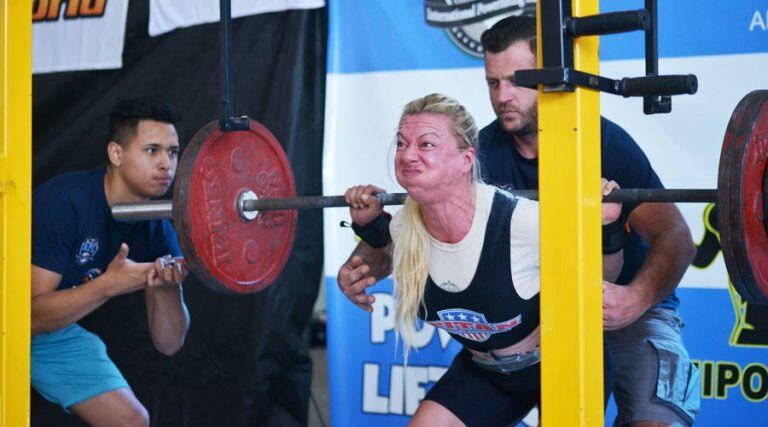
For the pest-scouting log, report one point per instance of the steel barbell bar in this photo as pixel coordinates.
(163, 209)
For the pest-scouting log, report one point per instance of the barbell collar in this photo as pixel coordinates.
(163, 209)
(155, 209)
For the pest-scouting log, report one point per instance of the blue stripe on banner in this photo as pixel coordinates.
(694, 28)
(388, 35)
(392, 35)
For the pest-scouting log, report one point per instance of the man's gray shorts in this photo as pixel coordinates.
(655, 379)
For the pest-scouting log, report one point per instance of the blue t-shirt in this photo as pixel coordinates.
(74, 234)
(622, 161)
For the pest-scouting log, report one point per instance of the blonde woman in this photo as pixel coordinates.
(465, 259)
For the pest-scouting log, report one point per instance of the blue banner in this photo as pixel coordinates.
(393, 35)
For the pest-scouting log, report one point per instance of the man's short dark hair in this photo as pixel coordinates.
(509, 31)
(126, 114)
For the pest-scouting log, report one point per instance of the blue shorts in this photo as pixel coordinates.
(71, 365)
(655, 379)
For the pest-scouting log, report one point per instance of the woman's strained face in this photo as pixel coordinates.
(428, 158)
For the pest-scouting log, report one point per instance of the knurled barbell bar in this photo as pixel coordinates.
(249, 205)
(234, 205)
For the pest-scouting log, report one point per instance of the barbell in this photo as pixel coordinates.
(235, 207)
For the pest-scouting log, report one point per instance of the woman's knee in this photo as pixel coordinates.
(431, 413)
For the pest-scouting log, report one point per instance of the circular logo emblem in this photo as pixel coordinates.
(465, 21)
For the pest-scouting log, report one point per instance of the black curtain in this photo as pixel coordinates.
(246, 360)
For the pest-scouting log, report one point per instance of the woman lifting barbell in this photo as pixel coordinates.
(466, 259)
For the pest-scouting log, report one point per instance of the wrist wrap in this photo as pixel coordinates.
(375, 233)
(615, 236)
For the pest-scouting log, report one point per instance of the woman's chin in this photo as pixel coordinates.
(422, 195)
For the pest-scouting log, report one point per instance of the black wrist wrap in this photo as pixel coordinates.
(376, 232)
(615, 236)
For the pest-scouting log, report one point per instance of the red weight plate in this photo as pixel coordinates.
(227, 252)
(741, 207)
(726, 198)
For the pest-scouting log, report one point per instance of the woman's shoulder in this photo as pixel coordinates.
(525, 217)
(396, 224)
(526, 204)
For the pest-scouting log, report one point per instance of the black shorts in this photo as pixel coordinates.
(479, 397)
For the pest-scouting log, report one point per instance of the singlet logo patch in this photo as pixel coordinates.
(472, 325)
(87, 250)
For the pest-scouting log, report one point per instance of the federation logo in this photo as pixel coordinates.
(471, 325)
(87, 250)
(465, 21)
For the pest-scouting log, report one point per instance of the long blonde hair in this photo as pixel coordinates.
(411, 253)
